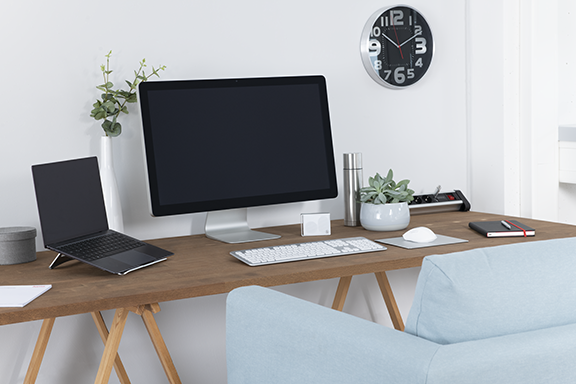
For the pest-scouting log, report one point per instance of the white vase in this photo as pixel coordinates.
(384, 217)
(109, 186)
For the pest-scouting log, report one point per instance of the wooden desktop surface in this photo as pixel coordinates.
(201, 267)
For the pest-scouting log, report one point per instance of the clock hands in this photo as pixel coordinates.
(389, 39)
(416, 34)
(400, 45)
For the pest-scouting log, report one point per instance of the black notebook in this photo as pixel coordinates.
(504, 228)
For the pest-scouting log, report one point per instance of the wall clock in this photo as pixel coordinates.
(397, 46)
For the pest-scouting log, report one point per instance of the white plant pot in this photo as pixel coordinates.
(384, 217)
(109, 186)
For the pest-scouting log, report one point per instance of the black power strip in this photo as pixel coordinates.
(439, 202)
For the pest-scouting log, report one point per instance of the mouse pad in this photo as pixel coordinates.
(440, 240)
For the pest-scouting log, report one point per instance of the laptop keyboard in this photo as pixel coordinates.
(101, 246)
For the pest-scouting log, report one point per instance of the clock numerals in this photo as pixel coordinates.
(397, 47)
(401, 74)
(396, 16)
(420, 46)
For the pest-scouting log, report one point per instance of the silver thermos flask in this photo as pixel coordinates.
(352, 185)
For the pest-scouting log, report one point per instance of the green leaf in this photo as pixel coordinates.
(132, 98)
(403, 182)
(98, 113)
(111, 128)
(116, 129)
(109, 106)
(390, 175)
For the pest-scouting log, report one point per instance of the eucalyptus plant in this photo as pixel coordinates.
(113, 101)
(382, 190)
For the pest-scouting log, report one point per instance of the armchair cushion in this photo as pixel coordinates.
(495, 291)
(275, 338)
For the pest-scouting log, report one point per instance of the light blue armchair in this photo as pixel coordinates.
(493, 315)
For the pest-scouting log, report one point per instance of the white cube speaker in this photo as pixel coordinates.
(315, 224)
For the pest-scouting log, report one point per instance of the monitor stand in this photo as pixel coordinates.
(231, 226)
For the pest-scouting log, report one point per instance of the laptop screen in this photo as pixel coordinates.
(69, 198)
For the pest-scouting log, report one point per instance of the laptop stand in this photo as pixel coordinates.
(59, 259)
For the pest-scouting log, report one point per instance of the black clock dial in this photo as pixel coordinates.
(397, 46)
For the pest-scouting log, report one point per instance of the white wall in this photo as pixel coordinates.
(567, 97)
(513, 99)
(453, 129)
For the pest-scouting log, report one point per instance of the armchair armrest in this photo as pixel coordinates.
(275, 338)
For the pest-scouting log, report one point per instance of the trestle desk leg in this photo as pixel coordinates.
(111, 348)
(390, 300)
(103, 331)
(158, 341)
(39, 350)
(341, 292)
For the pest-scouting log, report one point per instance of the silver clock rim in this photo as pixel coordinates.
(364, 46)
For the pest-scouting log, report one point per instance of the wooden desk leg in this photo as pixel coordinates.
(341, 292)
(39, 350)
(390, 300)
(103, 331)
(111, 348)
(158, 341)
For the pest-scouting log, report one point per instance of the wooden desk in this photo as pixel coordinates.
(201, 267)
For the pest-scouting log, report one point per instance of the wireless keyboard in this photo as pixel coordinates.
(307, 251)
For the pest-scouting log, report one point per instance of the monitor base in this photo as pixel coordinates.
(231, 226)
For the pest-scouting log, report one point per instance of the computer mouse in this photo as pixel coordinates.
(420, 235)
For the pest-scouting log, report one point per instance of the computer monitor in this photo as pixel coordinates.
(223, 145)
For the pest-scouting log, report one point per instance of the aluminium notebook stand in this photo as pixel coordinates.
(59, 259)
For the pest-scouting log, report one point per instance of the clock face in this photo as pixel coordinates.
(397, 47)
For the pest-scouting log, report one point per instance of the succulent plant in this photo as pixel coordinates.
(384, 190)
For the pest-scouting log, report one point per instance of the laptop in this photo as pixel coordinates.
(72, 213)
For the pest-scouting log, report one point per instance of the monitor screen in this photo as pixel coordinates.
(222, 144)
